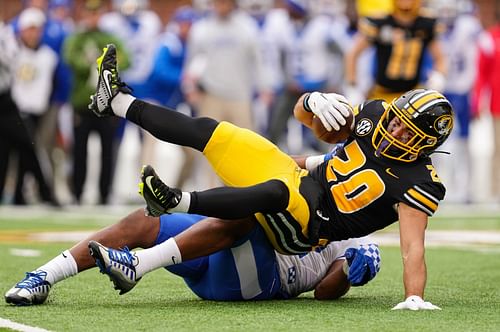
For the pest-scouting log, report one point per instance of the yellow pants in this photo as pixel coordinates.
(243, 158)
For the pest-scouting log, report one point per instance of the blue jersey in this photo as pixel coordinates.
(167, 71)
(246, 271)
(251, 269)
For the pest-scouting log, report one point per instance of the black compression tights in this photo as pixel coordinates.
(224, 202)
(171, 126)
(236, 203)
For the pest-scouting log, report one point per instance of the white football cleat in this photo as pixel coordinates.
(119, 265)
(33, 289)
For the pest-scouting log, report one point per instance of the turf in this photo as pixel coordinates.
(464, 282)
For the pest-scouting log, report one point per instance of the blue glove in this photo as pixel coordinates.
(337, 147)
(363, 262)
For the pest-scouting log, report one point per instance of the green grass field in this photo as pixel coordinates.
(464, 281)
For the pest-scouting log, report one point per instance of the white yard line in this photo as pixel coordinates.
(20, 327)
(445, 238)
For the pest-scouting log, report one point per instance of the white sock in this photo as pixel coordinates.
(183, 206)
(121, 103)
(164, 254)
(60, 267)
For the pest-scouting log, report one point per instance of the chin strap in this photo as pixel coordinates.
(439, 151)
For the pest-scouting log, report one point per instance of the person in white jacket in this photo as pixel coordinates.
(33, 76)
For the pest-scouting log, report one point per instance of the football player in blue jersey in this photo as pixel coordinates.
(249, 269)
(383, 174)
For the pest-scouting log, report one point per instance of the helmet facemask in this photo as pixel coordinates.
(428, 119)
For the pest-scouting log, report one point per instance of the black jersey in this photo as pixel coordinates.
(399, 49)
(364, 189)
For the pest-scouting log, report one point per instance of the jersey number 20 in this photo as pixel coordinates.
(362, 187)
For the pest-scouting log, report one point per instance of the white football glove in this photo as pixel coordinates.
(331, 108)
(436, 81)
(415, 302)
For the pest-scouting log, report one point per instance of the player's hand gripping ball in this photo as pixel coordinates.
(333, 116)
(333, 136)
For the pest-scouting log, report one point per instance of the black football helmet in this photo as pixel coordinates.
(427, 113)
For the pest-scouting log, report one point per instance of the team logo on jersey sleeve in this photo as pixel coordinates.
(292, 274)
(364, 127)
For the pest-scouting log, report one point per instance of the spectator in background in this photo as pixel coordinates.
(167, 73)
(365, 62)
(139, 29)
(486, 93)
(58, 24)
(462, 29)
(14, 135)
(400, 40)
(224, 42)
(259, 10)
(308, 45)
(80, 51)
(34, 69)
(224, 67)
(202, 7)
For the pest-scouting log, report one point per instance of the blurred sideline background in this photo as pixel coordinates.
(468, 177)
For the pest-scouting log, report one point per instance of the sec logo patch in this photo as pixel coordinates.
(364, 127)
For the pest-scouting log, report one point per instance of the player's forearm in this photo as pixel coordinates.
(360, 44)
(300, 160)
(414, 272)
(334, 284)
(438, 57)
(350, 69)
(300, 112)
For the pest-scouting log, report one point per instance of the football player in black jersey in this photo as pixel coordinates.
(382, 174)
(400, 40)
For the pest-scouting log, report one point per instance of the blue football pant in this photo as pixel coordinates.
(246, 271)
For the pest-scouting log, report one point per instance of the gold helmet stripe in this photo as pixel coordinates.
(424, 100)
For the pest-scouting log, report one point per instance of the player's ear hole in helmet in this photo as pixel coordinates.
(427, 114)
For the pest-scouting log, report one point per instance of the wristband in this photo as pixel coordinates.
(329, 155)
(305, 103)
(314, 161)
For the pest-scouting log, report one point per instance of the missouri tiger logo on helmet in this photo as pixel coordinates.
(426, 113)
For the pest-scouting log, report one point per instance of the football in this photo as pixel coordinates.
(333, 136)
